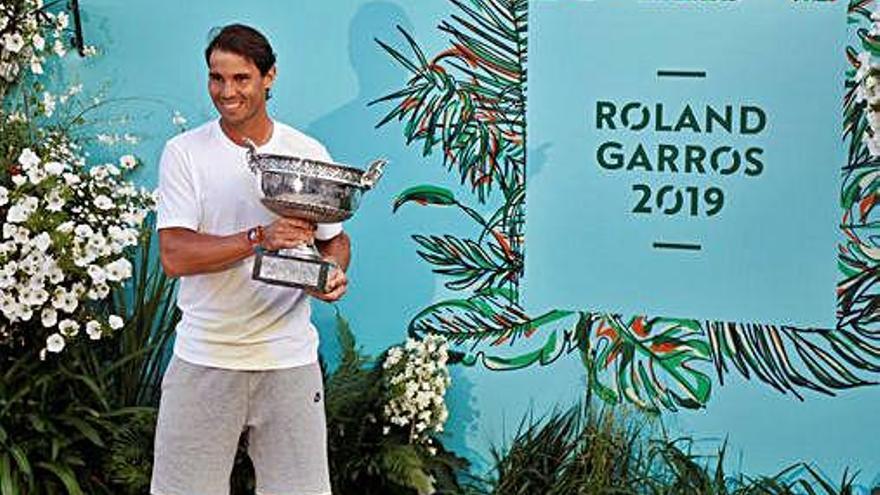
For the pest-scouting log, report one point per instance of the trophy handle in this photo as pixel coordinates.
(251, 155)
(373, 174)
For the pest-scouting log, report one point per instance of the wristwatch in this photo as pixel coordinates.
(256, 235)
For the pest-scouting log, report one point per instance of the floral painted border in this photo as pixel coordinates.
(468, 103)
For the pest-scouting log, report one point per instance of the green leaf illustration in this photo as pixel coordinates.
(654, 362)
(425, 195)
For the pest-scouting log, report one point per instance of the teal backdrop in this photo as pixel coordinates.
(330, 67)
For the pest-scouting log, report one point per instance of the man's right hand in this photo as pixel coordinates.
(288, 233)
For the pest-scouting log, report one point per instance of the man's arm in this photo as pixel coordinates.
(338, 250)
(186, 252)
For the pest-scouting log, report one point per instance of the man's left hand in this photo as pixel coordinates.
(337, 285)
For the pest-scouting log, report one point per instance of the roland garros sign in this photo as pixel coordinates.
(684, 158)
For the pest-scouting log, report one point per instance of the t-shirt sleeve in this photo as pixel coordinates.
(178, 201)
(326, 231)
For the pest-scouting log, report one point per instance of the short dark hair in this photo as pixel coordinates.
(245, 41)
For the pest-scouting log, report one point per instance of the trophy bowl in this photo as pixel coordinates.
(311, 190)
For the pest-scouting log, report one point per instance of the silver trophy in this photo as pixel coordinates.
(316, 191)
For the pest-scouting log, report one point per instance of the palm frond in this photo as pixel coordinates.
(468, 263)
(469, 98)
(790, 359)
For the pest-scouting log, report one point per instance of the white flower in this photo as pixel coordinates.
(58, 48)
(37, 68)
(178, 119)
(42, 242)
(4, 21)
(18, 179)
(56, 275)
(21, 236)
(13, 42)
(93, 329)
(63, 20)
(38, 42)
(28, 159)
(65, 301)
(98, 291)
(71, 179)
(66, 227)
(55, 343)
(83, 231)
(4, 195)
(54, 168)
(90, 51)
(97, 273)
(49, 317)
(115, 322)
(128, 162)
(36, 175)
(118, 270)
(9, 306)
(99, 172)
(17, 213)
(48, 104)
(102, 202)
(54, 202)
(68, 328)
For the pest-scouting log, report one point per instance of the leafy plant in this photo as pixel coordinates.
(85, 424)
(590, 450)
(364, 459)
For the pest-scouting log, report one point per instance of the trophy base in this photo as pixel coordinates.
(292, 269)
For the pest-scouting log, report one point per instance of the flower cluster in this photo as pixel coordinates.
(867, 91)
(63, 240)
(867, 79)
(30, 34)
(416, 378)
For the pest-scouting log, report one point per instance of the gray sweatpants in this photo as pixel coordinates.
(204, 410)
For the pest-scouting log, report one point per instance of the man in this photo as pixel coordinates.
(245, 358)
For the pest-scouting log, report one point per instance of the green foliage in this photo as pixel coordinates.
(589, 450)
(84, 423)
(53, 422)
(129, 456)
(363, 459)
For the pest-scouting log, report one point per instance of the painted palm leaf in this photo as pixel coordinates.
(469, 101)
(790, 359)
(486, 328)
(468, 263)
(652, 363)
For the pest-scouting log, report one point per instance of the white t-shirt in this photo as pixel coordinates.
(229, 320)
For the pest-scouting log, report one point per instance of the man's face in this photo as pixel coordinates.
(237, 87)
